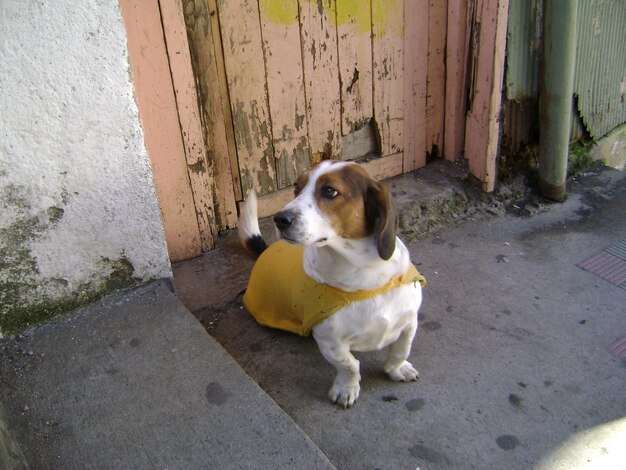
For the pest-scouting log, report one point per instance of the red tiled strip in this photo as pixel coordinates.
(618, 347)
(607, 265)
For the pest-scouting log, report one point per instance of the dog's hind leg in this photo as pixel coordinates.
(396, 365)
(346, 388)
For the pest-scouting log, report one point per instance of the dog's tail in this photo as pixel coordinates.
(248, 228)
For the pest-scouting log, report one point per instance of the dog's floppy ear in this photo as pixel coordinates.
(380, 212)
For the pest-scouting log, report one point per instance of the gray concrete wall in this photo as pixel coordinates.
(78, 210)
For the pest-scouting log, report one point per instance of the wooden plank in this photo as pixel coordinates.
(285, 87)
(200, 173)
(388, 73)
(321, 77)
(482, 123)
(222, 86)
(210, 107)
(456, 68)
(435, 98)
(415, 79)
(162, 134)
(354, 44)
(383, 168)
(245, 72)
(271, 203)
(207, 103)
(501, 22)
(360, 143)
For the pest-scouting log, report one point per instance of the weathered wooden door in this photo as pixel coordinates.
(309, 80)
(240, 94)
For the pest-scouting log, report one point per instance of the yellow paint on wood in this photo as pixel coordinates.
(389, 18)
(283, 12)
(348, 11)
(388, 74)
(355, 12)
(355, 64)
(285, 87)
(321, 77)
(245, 70)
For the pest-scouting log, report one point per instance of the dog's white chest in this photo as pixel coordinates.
(374, 323)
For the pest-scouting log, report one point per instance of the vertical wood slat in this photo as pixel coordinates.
(215, 170)
(456, 67)
(321, 77)
(157, 109)
(201, 175)
(482, 124)
(354, 44)
(435, 98)
(388, 73)
(285, 85)
(245, 72)
(220, 90)
(415, 75)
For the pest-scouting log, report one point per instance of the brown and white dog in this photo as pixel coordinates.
(347, 224)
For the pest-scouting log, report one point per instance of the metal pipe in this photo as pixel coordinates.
(558, 57)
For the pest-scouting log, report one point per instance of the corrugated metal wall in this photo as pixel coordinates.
(523, 49)
(600, 77)
(521, 75)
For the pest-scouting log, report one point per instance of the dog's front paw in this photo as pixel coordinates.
(405, 373)
(344, 395)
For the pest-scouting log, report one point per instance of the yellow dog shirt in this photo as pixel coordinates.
(281, 295)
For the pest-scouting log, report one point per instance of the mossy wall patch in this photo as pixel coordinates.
(79, 214)
(25, 297)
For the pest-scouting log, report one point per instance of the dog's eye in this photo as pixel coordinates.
(328, 192)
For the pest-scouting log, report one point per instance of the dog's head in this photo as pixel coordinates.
(338, 202)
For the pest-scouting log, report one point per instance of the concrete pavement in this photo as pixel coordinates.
(135, 382)
(516, 351)
(513, 350)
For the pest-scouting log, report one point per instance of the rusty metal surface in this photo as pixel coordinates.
(600, 75)
(523, 48)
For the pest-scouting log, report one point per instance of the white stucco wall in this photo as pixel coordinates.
(77, 200)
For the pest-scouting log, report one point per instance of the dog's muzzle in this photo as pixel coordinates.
(291, 231)
(284, 220)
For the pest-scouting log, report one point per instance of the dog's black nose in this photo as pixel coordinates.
(284, 219)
